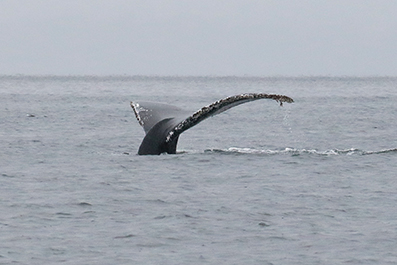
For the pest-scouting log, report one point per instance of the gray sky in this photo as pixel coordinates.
(199, 37)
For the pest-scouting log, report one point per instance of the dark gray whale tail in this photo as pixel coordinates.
(164, 123)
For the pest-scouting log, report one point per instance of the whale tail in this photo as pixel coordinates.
(164, 123)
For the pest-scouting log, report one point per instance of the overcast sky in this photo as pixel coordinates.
(199, 37)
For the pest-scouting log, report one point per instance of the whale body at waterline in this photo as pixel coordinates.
(164, 123)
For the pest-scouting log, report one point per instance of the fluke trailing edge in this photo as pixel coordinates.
(164, 123)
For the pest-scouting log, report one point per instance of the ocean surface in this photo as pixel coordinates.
(312, 182)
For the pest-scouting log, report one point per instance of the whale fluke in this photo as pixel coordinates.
(164, 123)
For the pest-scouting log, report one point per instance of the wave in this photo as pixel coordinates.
(297, 152)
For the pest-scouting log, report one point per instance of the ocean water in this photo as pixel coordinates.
(313, 182)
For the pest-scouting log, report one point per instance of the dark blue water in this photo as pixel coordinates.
(313, 182)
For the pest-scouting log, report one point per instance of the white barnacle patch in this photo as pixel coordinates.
(169, 136)
(136, 108)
